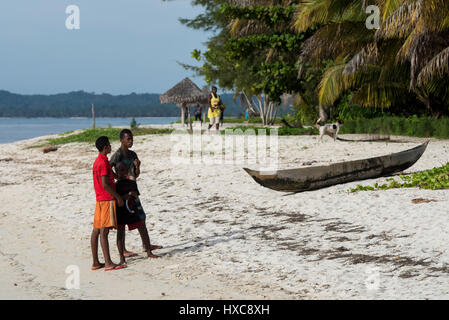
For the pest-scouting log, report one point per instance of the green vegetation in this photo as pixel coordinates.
(91, 135)
(322, 53)
(437, 178)
(282, 131)
(134, 125)
(413, 126)
(260, 67)
(401, 64)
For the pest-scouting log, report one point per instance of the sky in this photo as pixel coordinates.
(121, 46)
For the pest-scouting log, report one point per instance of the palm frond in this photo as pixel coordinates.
(367, 55)
(437, 67)
(332, 85)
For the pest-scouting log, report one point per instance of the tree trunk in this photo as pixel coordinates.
(261, 110)
(323, 114)
(248, 103)
(190, 117)
(266, 109)
(183, 115)
(275, 115)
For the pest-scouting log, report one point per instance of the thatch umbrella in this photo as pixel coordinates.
(184, 93)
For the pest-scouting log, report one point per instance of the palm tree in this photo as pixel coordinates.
(407, 53)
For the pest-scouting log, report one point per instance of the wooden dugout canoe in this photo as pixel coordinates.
(312, 178)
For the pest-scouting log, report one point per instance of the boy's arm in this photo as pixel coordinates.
(113, 161)
(108, 188)
(137, 166)
(113, 171)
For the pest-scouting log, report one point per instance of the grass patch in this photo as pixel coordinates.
(282, 131)
(37, 146)
(91, 135)
(434, 179)
(65, 133)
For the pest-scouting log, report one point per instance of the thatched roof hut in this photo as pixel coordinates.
(185, 93)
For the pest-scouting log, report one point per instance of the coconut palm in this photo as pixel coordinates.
(409, 51)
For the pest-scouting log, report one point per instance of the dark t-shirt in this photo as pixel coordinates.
(126, 158)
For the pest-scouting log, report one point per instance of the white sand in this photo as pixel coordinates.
(225, 236)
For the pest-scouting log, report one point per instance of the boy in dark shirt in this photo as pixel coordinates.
(131, 213)
(130, 159)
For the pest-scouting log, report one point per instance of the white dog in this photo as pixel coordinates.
(330, 129)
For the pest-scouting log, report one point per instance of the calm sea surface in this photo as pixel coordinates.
(15, 129)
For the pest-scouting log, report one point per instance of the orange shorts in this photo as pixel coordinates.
(105, 215)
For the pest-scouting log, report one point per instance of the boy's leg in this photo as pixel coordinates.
(104, 232)
(146, 240)
(121, 245)
(145, 245)
(94, 246)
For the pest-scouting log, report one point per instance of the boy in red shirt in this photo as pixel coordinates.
(105, 216)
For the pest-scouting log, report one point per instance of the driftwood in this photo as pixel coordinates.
(288, 125)
(370, 138)
(421, 200)
(292, 125)
(49, 148)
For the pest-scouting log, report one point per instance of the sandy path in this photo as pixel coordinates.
(225, 237)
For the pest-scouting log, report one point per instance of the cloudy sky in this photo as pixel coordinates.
(121, 46)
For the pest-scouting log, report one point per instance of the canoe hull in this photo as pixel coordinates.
(312, 178)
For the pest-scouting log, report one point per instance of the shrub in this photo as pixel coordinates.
(306, 114)
(134, 125)
(417, 127)
(282, 131)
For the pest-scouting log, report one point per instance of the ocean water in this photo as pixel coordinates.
(16, 129)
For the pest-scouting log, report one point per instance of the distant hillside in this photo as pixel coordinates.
(78, 104)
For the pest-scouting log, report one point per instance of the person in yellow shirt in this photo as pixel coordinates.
(215, 105)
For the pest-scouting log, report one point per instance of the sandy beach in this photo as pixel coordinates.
(224, 236)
